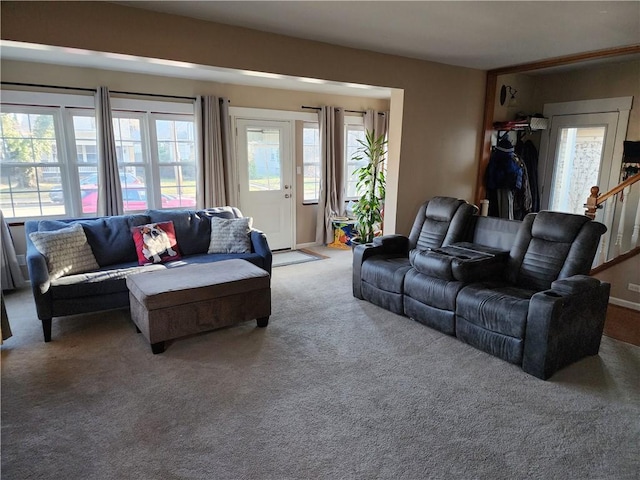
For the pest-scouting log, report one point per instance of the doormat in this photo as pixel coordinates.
(291, 257)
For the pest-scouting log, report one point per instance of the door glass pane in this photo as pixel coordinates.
(265, 159)
(577, 167)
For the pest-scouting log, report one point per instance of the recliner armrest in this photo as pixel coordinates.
(364, 251)
(575, 284)
(393, 243)
(564, 324)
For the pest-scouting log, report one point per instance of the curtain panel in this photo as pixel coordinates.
(331, 197)
(377, 121)
(215, 168)
(12, 277)
(109, 189)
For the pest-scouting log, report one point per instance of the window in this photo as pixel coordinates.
(156, 158)
(175, 140)
(31, 161)
(311, 162)
(354, 131)
(49, 155)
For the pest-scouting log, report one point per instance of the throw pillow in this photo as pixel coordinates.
(66, 250)
(230, 235)
(156, 243)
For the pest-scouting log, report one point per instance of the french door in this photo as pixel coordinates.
(265, 174)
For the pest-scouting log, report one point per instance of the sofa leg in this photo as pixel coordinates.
(157, 347)
(263, 322)
(46, 329)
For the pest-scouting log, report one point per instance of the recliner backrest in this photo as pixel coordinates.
(551, 246)
(440, 222)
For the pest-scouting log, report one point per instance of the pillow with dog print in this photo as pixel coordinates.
(156, 243)
(230, 235)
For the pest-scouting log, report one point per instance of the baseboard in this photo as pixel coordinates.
(624, 303)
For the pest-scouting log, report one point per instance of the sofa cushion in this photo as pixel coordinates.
(66, 250)
(109, 237)
(156, 243)
(386, 272)
(100, 282)
(496, 307)
(230, 235)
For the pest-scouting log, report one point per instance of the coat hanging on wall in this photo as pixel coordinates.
(503, 176)
(528, 153)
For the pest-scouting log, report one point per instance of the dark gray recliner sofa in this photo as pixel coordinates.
(517, 290)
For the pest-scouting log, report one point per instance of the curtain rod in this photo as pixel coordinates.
(347, 111)
(84, 89)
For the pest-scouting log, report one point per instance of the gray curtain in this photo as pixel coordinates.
(215, 168)
(378, 121)
(331, 200)
(12, 277)
(109, 189)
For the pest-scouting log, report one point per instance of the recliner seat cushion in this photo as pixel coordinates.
(495, 307)
(431, 291)
(386, 272)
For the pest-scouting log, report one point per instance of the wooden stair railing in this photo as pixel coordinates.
(595, 201)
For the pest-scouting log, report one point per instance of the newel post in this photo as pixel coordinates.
(592, 203)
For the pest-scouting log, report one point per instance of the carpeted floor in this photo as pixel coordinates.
(333, 388)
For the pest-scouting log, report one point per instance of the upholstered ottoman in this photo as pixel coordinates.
(184, 300)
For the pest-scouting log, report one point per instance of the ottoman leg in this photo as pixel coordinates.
(157, 347)
(263, 322)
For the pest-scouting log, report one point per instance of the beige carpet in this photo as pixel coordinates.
(333, 388)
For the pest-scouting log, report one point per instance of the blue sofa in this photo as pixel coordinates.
(111, 241)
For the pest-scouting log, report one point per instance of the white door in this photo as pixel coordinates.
(581, 154)
(265, 173)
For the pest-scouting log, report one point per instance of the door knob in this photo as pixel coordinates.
(286, 195)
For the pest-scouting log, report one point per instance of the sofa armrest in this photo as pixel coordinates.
(39, 278)
(260, 246)
(564, 324)
(360, 254)
(398, 244)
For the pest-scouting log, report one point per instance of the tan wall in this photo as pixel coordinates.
(619, 276)
(620, 79)
(442, 105)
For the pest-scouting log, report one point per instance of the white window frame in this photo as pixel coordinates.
(65, 106)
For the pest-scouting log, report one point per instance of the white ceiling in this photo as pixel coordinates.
(476, 34)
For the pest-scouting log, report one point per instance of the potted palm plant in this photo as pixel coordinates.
(370, 186)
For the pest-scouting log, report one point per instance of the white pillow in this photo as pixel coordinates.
(66, 251)
(230, 235)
